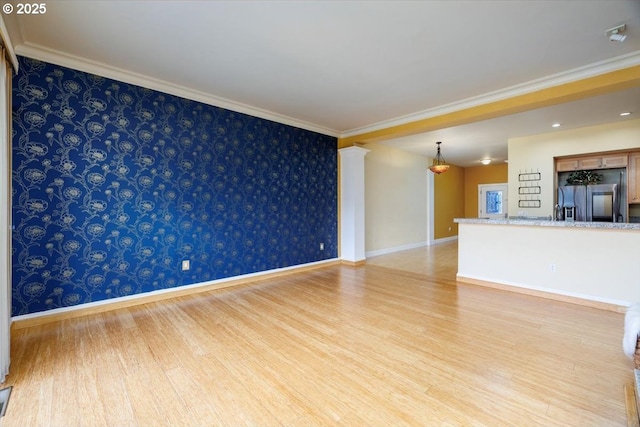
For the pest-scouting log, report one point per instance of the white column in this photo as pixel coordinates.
(5, 217)
(352, 203)
(431, 207)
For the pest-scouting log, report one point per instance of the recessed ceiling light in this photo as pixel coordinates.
(485, 161)
(555, 125)
(626, 113)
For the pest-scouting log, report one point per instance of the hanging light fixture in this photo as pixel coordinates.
(439, 165)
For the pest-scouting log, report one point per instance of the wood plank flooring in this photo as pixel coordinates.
(393, 343)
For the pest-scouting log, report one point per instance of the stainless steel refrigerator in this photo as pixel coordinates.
(597, 202)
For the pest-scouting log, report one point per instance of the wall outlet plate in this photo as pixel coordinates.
(186, 265)
(616, 30)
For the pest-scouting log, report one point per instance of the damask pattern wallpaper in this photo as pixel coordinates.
(115, 185)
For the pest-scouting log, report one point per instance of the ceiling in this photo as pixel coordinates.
(347, 67)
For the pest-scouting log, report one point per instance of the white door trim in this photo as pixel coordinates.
(482, 191)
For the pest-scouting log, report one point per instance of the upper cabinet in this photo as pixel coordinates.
(614, 161)
(565, 165)
(592, 162)
(634, 178)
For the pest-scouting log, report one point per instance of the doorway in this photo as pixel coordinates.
(493, 201)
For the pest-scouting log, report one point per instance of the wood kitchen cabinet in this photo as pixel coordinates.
(589, 163)
(614, 161)
(633, 188)
(567, 165)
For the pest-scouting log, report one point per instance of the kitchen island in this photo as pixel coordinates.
(590, 263)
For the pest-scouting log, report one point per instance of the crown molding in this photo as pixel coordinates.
(93, 67)
(8, 44)
(71, 61)
(569, 76)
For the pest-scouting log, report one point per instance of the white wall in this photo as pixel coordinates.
(594, 264)
(395, 199)
(536, 153)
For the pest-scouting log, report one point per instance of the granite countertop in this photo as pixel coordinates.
(546, 222)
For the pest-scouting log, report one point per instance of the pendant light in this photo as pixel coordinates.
(439, 165)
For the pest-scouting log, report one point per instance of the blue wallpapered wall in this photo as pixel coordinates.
(114, 185)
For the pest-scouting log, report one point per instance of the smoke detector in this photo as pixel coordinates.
(617, 34)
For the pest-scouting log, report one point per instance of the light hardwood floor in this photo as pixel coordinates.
(393, 343)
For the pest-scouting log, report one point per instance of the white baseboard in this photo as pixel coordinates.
(395, 249)
(443, 240)
(145, 297)
(554, 294)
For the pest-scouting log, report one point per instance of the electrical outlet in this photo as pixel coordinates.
(552, 268)
(322, 246)
(186, 265)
